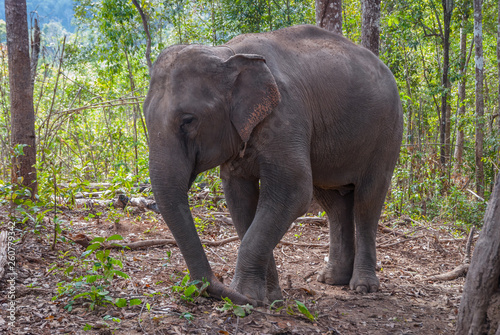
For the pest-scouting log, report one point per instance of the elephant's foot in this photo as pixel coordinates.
(335, 275)
(217, 290)
(273, 293)
(254, 290)
(258, 291)
(364, 282)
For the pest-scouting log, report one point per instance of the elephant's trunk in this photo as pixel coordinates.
(170, 178)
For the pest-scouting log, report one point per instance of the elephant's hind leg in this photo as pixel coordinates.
(339, 208)
(368, 201)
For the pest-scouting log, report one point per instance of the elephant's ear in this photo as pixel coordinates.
(254, 92)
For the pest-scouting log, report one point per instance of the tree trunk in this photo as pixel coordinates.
(35, 51)
(459, 148)
(479, 59)
(370, 27)
(482, 280)
(445, 82)
(329, 15)
(21, 94)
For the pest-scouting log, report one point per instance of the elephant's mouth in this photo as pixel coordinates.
(194, 173)
(192, 178)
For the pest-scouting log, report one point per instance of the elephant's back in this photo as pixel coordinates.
(347, 97)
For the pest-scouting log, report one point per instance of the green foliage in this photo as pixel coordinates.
(15, 196)
(189, 290)
(238, 310)
(94, 285)
(302, 309)
(422, 191)
(305, 311)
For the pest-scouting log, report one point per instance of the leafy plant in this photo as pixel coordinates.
(302, 309)
(305, 311)
(94, 285)
(189, 290)
(238, 310)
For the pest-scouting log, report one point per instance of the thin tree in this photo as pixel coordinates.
(479, 60)
(21, 94)
(464, 60)
(445, 82)
(145, 24)
(329, 15)
(370, 26)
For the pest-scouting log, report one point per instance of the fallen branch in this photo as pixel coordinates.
(460, 270)
(306, 245)
(84, 242)
(140, 202)
(121, 202)
(388, 245)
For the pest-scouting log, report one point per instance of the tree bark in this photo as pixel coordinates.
(21, 94)
(329, 15)
(479, 60)
(370, 26)
(445, 82)
(484, 272)
(35, 51)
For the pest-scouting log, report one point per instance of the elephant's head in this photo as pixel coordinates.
(201, 108)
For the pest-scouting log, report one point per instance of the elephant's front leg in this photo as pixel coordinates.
(283, 197)
(242, 196)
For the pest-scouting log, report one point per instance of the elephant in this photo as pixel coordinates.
(290, 115)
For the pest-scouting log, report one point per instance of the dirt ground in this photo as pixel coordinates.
(408, 301)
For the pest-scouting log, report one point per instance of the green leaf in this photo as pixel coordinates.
(69, 269)
(120, 302)
(114, 238)
(122, 274)
(92, 278)
(135, 302)
(103, 293)
(116, 262)
(97, 240)
(190, 290)
(93, 247)
(185, 280)
(81, 295)
(303, 309)
(239, 311)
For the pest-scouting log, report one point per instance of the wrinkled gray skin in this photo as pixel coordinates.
(305, 112)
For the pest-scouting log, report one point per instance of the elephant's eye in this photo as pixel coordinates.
(187, 119)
